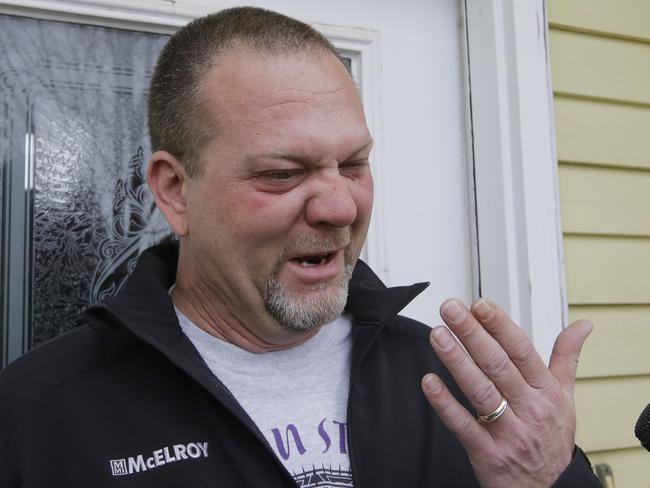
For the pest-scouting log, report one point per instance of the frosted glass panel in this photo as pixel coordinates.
(74, 132)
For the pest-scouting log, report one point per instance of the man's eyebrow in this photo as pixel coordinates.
(295, 157)
(299, 158)
(367, 146)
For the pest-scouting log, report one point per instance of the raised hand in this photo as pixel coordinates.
(530, 441)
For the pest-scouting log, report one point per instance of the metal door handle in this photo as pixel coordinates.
(605, 475)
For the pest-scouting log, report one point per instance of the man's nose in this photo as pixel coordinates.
(332, 202)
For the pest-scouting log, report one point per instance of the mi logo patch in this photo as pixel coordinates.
(159, 457)
(118, 467)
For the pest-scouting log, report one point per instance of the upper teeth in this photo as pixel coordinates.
(312, 261)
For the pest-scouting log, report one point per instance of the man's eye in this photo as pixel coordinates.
(354, 167)
(280, 175)
(280, 179)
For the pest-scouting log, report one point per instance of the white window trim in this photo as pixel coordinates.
(517, 238)
(161, 16)
(518, 235)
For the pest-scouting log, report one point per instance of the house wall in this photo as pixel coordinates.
(600, 62)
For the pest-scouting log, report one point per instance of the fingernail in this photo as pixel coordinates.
(442, 337)
(453, 311)
(431, 383)
(482, 309)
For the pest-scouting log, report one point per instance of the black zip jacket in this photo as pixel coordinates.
(127, 401)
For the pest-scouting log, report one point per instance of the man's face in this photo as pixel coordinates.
(278, 216)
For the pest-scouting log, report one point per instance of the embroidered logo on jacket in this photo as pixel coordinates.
(160, 457)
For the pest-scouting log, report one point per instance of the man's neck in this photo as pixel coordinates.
(205, 312)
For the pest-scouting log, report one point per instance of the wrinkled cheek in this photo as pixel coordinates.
(249, 213)
(365, 193)
(365, 199)
(263, 224)
(256, 204)
(364, 213)
(271, 210)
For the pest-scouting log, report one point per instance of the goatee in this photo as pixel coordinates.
(311, 308)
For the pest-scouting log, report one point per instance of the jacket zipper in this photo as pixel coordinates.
(353, 459)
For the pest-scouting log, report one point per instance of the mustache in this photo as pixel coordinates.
(316, 243)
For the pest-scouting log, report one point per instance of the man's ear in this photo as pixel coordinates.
(168, 180)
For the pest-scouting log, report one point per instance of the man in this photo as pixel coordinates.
(260, 352)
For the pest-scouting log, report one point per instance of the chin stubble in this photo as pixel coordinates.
(308, 309)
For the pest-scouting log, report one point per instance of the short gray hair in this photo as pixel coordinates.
(177, 122)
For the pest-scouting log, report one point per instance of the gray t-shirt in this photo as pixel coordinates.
(296, 397)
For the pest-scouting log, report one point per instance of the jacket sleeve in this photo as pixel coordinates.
(578, 474)
(5, 478)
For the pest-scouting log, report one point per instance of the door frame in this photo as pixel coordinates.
(512, 166)
(518, 230)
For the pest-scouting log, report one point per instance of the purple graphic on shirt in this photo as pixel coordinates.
(283, 446)
(310, 475)
(324, 435)
(324, 478)
(343, 438)
(286, 452)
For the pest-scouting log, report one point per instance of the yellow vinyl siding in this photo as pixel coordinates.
(607, 270)
(599, 67)
(625, 18)
(630, 466)
(624, 329)
(602, 133)
(607, 410)
(600, 64)
(593, 200)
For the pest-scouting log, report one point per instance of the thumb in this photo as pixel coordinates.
(566, 350)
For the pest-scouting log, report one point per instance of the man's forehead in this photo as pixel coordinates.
(360, 146)
(245, 87)
(242, 71)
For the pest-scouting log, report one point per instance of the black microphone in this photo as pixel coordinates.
(642, 427)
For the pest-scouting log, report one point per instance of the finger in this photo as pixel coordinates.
(477, 387)
(488, 354)
(566, 351)
(514, 342)
(455, 417)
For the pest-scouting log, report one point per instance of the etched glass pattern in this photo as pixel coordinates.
(84, 88)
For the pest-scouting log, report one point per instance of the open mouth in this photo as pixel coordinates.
(315, 260)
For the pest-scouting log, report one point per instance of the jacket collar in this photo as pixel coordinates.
(371, 302)
(144, 306)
